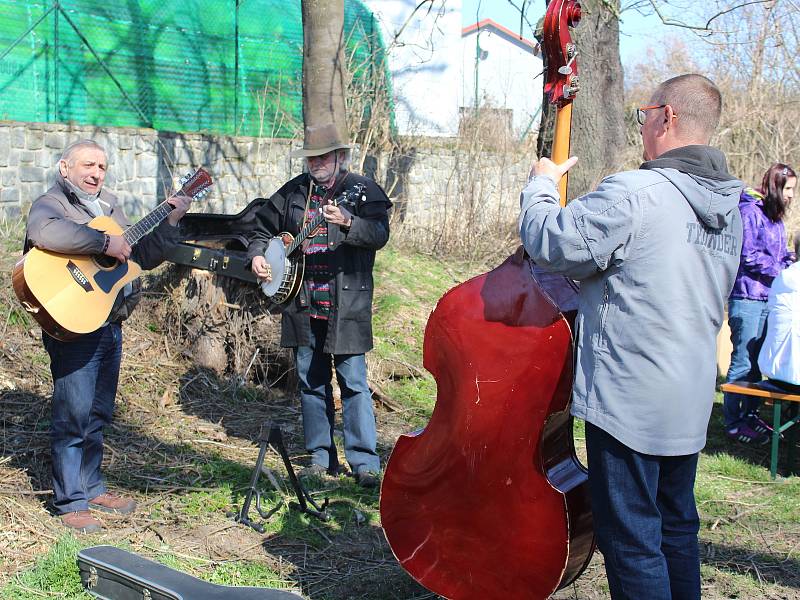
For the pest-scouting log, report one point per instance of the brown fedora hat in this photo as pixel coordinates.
(320, 140)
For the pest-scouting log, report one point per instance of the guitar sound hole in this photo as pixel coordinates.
(105, 262)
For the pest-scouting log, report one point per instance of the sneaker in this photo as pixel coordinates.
(743, 433)
(368, 479)
(758, 424)
(81, 521)
(111, 503)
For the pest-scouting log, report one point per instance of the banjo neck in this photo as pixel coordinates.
(308, 229)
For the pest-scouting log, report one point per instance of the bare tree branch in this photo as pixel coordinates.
(523, 17)
(733, 8)
(654, 4)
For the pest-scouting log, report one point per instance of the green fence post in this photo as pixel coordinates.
(776, 436)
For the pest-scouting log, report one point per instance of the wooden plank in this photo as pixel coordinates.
(753, 389)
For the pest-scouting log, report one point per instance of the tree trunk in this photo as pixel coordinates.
(598, 126)
(323, 64)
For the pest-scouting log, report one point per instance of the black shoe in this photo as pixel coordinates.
(368, 479)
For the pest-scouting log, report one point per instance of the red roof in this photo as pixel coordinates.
(488, 23)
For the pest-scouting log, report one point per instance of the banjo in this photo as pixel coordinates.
(286, 264)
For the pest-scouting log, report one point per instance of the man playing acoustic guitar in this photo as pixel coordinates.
(330, 318)
(86, 370)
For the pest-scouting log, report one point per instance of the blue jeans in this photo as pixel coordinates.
(645, 520)
(85, 375)
(316, 399)
(747, 320)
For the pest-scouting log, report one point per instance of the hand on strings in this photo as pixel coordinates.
(337, 215)
(180, 203)
(118, 248)
(545, 166)
(261, 269)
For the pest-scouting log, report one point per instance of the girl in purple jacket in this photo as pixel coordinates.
(764, 255)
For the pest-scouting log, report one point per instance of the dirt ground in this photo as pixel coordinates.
(180, 426)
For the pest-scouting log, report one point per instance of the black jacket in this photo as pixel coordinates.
(352, 258)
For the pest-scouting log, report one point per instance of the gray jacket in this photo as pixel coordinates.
(58, 222)
(656, 251)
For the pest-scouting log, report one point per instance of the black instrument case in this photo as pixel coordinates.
(111, 573)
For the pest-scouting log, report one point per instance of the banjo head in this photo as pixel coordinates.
(275, 256)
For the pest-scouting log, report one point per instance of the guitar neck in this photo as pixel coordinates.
(136, 232)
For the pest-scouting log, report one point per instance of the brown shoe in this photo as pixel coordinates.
(82, 521)
(112, 503)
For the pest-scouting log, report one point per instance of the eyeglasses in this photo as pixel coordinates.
(641, 113)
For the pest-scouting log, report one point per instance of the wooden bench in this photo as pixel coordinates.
(765, 390)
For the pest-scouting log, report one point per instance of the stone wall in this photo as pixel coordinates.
(143, 163)
(430, 184)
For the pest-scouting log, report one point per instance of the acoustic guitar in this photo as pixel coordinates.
(73, 294)
(286, 264)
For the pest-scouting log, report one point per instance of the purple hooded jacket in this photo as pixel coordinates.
(764, 252)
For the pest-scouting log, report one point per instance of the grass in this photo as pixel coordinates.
(234, 573)
(749, 524)
(56, 573)
(407, 288)
(12, 233)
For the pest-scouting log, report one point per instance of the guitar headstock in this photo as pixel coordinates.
(196, 184)
(562, 81)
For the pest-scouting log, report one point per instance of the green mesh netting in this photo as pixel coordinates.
(217, 66)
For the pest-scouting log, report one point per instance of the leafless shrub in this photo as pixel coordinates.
(751, 56)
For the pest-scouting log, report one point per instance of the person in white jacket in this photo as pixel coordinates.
(779, 359)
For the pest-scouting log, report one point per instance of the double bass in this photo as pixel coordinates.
(489, 500)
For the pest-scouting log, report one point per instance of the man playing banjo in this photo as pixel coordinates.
(329, 317)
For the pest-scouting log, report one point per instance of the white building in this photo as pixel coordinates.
(501, 71)
(440, 68)
(424, 51)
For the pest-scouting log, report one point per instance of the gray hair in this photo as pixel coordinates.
(70, 150)
(344, 164)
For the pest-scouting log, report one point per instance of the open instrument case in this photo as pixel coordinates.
(217, 242)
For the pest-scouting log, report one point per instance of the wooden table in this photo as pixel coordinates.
(769, 392)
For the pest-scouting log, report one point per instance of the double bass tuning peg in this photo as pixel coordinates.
(567, 68)
(574, 88)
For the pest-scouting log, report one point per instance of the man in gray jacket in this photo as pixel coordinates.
(656, 251)
(86, 370)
